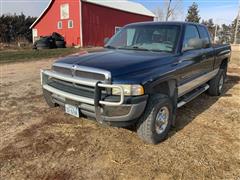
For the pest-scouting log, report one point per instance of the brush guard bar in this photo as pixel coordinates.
(98, 85)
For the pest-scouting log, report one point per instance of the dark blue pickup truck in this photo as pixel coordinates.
(142, 75)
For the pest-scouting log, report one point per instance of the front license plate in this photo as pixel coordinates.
(72, 110)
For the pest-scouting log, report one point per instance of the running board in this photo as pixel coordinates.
(190, 96)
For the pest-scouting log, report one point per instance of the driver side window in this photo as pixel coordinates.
(191, 33)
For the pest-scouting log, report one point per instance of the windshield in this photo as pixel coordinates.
(146, 37)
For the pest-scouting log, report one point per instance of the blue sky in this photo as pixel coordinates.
(222, 11)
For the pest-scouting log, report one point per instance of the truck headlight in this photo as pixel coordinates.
(129, 90)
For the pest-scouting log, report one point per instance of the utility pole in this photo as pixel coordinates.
(168, 10)
(215, 34)
(236, 29)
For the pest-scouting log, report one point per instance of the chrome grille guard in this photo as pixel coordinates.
(81, 81)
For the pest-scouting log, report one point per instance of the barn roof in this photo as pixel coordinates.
(44, 11)
(123, 5)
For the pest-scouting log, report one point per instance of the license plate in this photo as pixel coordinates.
(72, 110)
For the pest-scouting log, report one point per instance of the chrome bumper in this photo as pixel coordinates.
(80, 81)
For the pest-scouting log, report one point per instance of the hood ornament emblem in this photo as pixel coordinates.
(74, 67)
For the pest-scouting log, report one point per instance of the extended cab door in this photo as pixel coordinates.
(208, 55)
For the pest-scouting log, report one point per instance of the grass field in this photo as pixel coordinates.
(29, 54)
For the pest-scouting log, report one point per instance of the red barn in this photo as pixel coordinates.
(88, 22)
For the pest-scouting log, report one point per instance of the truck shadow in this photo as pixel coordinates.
(190, 111)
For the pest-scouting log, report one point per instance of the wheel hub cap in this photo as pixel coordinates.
(221, 83)
(162, 119)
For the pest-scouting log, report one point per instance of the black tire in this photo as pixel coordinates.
(217, 83)
(48, 98)
(42, 47)
(45, 43)
(57, 37)
(60, 44)
(147, 126)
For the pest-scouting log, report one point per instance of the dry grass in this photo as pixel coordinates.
(41, 143)
(22, 55)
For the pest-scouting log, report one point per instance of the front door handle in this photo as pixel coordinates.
(178, 62)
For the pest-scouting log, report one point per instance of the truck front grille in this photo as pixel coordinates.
(72, 88)
(79, 73)
(62, 70)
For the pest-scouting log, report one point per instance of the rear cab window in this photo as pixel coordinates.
(204, 35)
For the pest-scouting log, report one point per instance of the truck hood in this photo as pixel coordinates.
(120, 62)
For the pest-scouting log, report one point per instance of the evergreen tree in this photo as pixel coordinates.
(15, 27)
(224, 34)
(193, 14)
(210, 25)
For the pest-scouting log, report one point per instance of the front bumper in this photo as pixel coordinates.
(114, 110)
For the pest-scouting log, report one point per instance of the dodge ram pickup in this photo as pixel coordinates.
(144, 73)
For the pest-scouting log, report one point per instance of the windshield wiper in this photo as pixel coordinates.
(141, 49)
(158, 50)
(134, 48)
(110, 47)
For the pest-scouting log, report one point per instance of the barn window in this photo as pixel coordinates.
(64, 11)
(117, 29)
(59, 25)
(70, 24)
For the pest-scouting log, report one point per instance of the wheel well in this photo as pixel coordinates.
(167, 88)
(224, 64)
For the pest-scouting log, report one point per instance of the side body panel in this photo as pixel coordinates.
(222, 52)
(192, 68)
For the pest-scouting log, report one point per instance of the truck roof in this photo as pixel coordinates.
(165, 23)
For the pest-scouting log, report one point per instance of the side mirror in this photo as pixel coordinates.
(206, 44)
(105, 41)
(194, 43)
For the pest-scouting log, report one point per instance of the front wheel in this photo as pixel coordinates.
(155, 124)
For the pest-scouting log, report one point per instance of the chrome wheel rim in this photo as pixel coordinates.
(221, 83)
(162, 119)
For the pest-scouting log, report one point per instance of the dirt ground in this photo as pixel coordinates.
(41, 143)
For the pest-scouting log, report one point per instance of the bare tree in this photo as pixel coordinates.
(169, 10)
(159, 16)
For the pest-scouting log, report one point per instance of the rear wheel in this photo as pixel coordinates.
(155, 124)
(217, 83)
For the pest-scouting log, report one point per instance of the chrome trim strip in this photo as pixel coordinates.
(107, 74)
(187, 87)
(224, 52)
(41, 76)
(68, 95)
